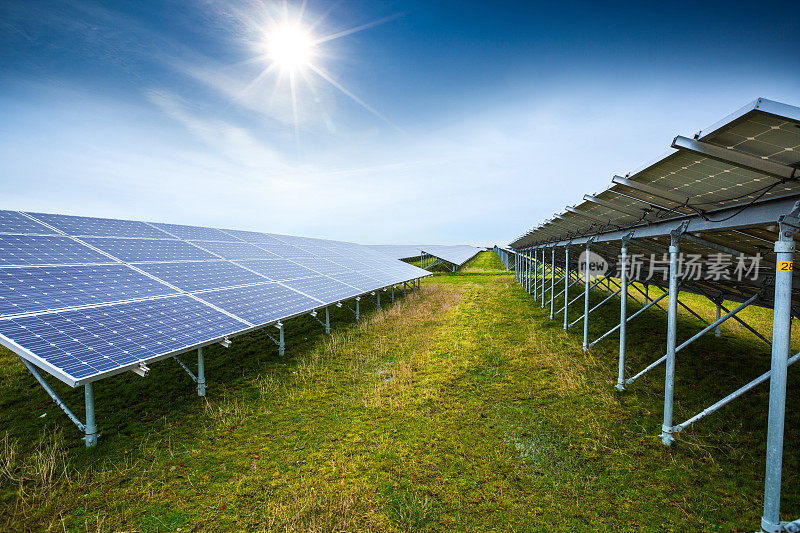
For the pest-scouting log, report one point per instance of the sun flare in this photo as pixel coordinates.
(290, 47)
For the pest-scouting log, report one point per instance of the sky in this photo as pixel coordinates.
(449, 122)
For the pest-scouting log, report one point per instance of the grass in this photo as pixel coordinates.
(461, 407)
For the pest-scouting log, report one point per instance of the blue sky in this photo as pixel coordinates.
(484, 117)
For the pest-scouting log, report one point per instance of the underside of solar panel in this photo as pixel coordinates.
(84, 298)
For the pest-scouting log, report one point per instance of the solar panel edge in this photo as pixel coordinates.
(37, 361)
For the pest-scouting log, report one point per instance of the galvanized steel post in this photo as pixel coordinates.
(201, 373)
(544, 274)
(566, 287)
(586, 300)
(91, 426)
(623, 311)
(718, 330)
(781, 337)
(328, 316)
(672, 333)
(552, 279)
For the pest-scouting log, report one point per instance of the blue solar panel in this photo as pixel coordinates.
(286, 250)
(14, 222)
(235, 250)
(95, 315)
(323, 288)
(46, 250)
(359, 281)
(260, 304)
(101, 227)
(277, 269)
(195, 233)
(385, 278)
(323, 266)
(201, 275)
(137, 250)
(351, 264)
(30, 289)
(253, 236)
(82, 343)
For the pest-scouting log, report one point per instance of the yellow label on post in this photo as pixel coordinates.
(785, 266)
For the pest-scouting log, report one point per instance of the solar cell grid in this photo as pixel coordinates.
(277, 269)
(82, 343)
(201, 275)
(140, 250)
(14, 222)
(94, 315)
(261, 304)
(75, 225)
(253, 236)
(30, 289)
(358, 280)
(198, 233)
(235, 250)
(323, 266)
(323, 288)
(285, 250)
(46, 250)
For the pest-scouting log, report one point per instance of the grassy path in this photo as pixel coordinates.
(459, 408)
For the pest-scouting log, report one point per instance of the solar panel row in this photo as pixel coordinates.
(87, 297)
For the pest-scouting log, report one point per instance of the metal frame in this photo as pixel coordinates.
(650, 211)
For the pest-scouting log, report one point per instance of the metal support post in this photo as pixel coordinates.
(201, 373)
(566, 287)
(49, 390)
(544, 279)
(586, 301)
(781, 337)
(379, 298)
(718, 331)
(91, 426)
(672, 333)
(623, 312)
(392, 293)
(552, 279)
(281, 343)
(328, 317)
(358, 308)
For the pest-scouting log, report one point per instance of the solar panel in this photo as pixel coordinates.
(201, 275)
(20, 250)
(253, 236)
(30, 289)
(277, 269)
(285, 250)
(358, 280)
(323, 266)
(457, 254)
(15, 222)
(74, 225)
(323, 288)
(261, 304)
(117, 292)
(141, 250)
(191, 233)
(82, 343)
(235, 250)
(399, 251)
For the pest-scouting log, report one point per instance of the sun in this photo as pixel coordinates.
(290, 47)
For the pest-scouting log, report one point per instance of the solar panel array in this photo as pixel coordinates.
(456, 254)
(686, 185)
(83, 298)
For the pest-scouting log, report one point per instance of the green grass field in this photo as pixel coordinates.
(461, 407)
